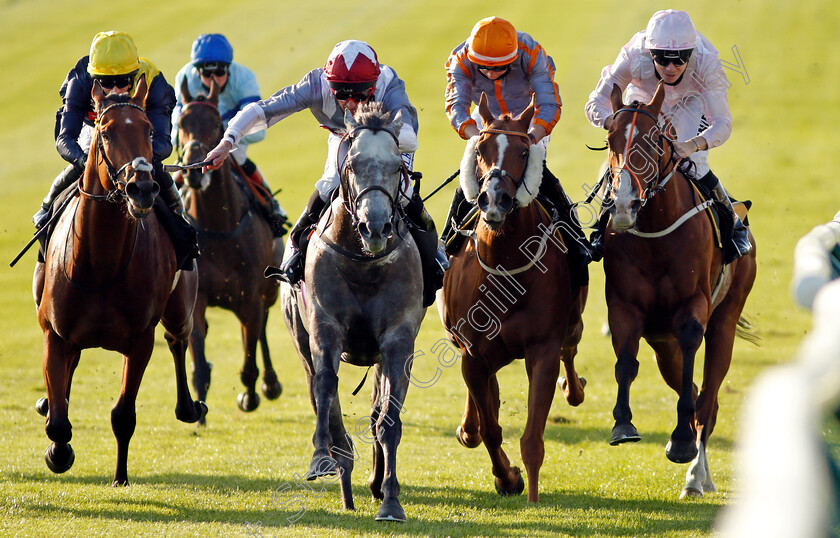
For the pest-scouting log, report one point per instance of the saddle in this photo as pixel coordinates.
(720, 218)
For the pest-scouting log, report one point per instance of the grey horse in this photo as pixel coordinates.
(360, 303)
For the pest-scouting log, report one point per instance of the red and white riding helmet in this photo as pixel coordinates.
(352, 61)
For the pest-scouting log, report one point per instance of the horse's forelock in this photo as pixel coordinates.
(373, 115)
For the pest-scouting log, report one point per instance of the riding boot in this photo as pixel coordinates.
(291, 270)
(433, 258)
(183, 235)
(274, 214)
(458, 211)
(740, 234)
(64, 179)
(578, 247)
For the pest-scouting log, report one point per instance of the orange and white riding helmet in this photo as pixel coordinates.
(670, 29)
(493, 42)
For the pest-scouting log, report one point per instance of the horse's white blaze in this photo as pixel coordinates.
(128, 121)
(625, 195)
(502, 143)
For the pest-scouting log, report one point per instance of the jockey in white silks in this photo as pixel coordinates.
(670, 50)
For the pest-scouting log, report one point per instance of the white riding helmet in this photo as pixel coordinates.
(670, 29)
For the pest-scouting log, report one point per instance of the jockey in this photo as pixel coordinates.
(672, 51)
(212, 59)
(113, 63)
(351, 76)
(509, 67)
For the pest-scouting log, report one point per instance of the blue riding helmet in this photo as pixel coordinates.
(211, 48)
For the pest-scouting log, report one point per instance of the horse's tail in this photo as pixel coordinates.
(746, 331)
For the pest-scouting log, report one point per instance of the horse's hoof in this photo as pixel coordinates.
(321, 466)
(681, 451)
(624, 433)
(391, 511)
(272, 391)
(467, 440)
(691, 493)
(59, 458)
(119, 483)
(517, 489)
(563, 383)
(248, 402)
(42, 406)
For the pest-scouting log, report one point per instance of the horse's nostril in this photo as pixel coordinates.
(483, 201)
(364, 231)
(387, 230)
(132, 189)
(155, 189)
(505, 202)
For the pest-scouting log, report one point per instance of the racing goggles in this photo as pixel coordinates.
(208, 70)
(109, 82)
(359, 92)
(665, 57)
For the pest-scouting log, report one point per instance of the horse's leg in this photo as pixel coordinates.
(572, 385)
(484, 390)
(271, 387)
(396, 352)
(252, 326)
(377, 470)
(201, 368)
(682, 446)
(60, 359)
(177, 320)
(626, 332)
(325, 344)
(467, 432)
(123, 415)
(720, 338)
(343, 452)
(542, 362)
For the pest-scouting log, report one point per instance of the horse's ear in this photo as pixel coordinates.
(139, 97)
(349, 121)
(615, 98)
(527, 115)
(214, 92)
(484, 109)
(397, 122)
(97, 93)
(185, 91)
(656, 103)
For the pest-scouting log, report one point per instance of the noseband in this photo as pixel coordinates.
(138, 164)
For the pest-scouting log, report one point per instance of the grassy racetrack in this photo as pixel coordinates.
(239, 475)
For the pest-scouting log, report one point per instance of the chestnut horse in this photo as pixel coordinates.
(236, 246)
(508, 294)
(109, 277)
(361, 303)
(665, 283)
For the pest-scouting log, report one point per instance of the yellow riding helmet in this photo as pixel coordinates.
(493, 42)
(113, 53)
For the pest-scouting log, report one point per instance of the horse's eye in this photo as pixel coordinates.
(525, 154)
(106, 137)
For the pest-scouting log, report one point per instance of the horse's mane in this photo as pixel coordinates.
(373, 115)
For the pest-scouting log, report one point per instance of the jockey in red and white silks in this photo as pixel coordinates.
(313, 92)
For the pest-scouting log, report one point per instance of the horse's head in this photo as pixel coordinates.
(636, 153)
(123, 148)
(199, 129)
(373, 174)
(501, 169)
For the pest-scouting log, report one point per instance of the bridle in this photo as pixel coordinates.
(657, 184)
(116, 190)
(501, 173)
(195, 143)
(351, 201)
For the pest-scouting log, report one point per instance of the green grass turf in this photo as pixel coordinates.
(230, 478)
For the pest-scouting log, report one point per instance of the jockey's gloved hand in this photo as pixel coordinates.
(81, 161)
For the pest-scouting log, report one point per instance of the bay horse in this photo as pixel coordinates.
(665, 283)
(508, 295)
(109, 276)
(236, 246)
(361, 303)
